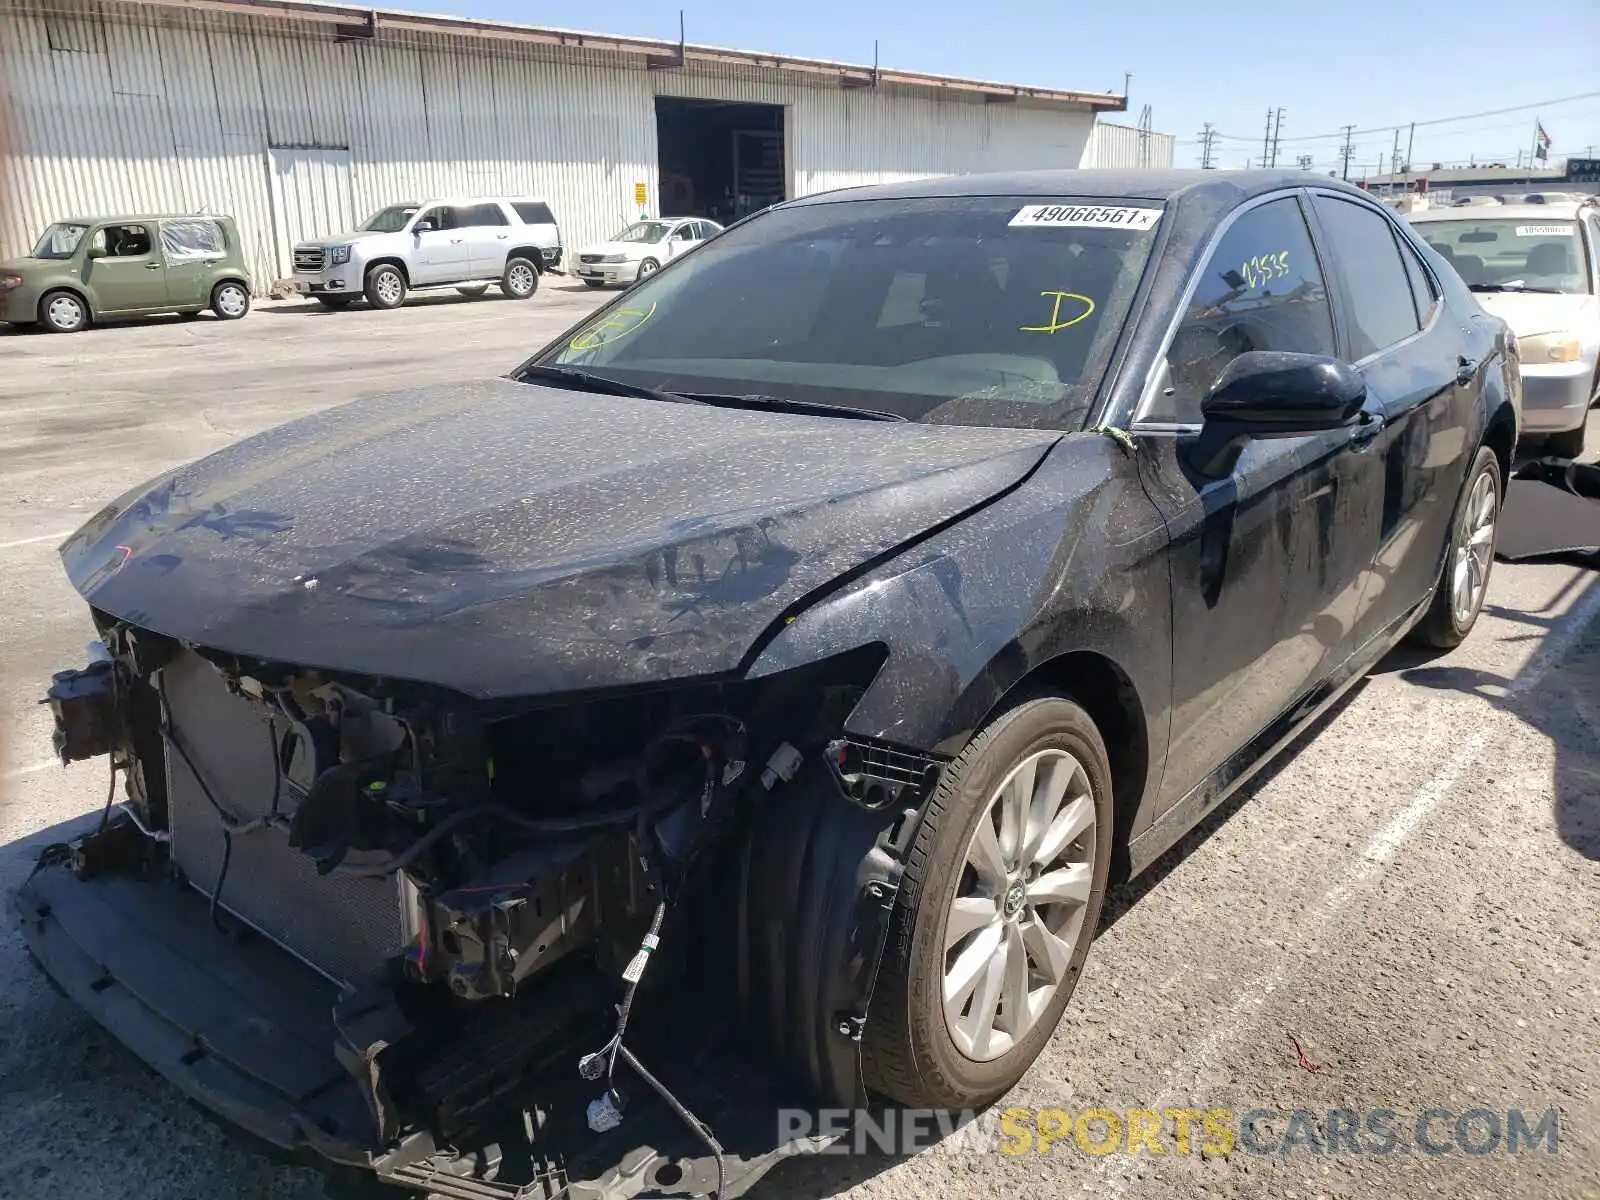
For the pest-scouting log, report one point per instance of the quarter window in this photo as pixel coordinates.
(1362, 240)
(192, 241)
(1261, 289)
(1421, 286)
(534, 213)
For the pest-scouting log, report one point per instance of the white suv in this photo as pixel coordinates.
(464, 244)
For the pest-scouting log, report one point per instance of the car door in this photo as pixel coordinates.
(124, 274)
(488, 233)
(682, 239)
(1422, 374)
(190, 248)
(1268, 558)
(441, 251)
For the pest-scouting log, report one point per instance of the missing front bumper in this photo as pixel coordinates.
(248, 1032)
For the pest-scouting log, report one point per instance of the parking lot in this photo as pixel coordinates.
(1402, 915)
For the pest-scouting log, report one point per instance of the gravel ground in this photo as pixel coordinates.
(1409, 898)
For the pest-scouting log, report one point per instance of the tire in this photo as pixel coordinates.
(1447, 623)
(909, 1052)
(646, 269)
(1568, 444)
(521, 278)
(335, 302)
(63, 312)
(230, 300)
(473, 289)
(386, 287)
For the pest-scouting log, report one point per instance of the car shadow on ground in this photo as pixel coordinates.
(121, 325)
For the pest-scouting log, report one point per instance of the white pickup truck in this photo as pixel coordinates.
(464, 244)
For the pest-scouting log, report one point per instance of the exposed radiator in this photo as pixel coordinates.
(343, 925)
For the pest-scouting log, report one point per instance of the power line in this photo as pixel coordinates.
(1493, 112)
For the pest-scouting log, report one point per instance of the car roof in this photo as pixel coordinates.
(1506, 212)
(1163, 185)
(131, 218)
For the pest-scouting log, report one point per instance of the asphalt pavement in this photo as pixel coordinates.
(1400, 915)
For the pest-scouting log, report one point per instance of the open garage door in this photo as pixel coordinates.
(719, 159)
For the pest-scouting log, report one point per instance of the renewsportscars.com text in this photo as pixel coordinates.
(1337, 1132)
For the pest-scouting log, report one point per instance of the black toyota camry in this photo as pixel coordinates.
(746, 702)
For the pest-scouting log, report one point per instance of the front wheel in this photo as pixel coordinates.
(1001, 896)
(520, 280)
(1458, 598)
(648, 268)
(386, 287)
(63, 312)
(230, 300)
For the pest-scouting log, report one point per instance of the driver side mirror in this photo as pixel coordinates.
(1274, 394)
(422, 227)
(95, 251)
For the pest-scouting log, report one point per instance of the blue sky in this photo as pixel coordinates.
(1357, 62)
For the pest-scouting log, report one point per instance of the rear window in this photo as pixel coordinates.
(533, 213)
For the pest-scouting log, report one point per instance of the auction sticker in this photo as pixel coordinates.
(1538, 230)
(1080, 215)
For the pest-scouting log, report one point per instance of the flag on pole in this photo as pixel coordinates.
(1541, 141)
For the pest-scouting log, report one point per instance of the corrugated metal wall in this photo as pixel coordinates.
(1126, 147)
(273, 121)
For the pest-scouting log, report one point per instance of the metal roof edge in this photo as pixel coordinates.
(357, 20)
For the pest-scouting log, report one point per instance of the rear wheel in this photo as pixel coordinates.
(386, 287)
(521, 279)
(230, 300)
(1458, 599)
(1568, 444)
(1000, 900)
(63, 312)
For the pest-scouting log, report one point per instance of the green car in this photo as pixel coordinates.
(96, 268)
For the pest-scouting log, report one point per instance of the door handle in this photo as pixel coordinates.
(1367, 430)
(456, 241)
(1466, 369)
(500, 237)
(152, 266)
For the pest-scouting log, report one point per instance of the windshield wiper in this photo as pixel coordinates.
(1511, 287)
(785, 404)
(577, 379)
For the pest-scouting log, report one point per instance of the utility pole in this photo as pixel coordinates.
(1410, 142)
(1394, 158)
(1208, 137)
(1347, 151)
(1304, 162)
(1144, 136)
(1266, 139)
(1277, 128)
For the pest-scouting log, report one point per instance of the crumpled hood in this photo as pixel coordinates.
(1532, 313)
(506, 539)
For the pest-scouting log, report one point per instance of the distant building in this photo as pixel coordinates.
(300, 118)
(1446, 185)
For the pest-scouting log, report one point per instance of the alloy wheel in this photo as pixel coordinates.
(65, 312)
(522, 280)
(1469, 577)
(1019, 906)
(389, 287)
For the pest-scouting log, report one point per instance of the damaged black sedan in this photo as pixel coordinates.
(530, 787)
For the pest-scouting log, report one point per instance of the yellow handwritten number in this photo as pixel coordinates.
(617, 325)
(1262, 267)
(1055, 323)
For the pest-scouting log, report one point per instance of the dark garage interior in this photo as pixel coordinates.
(719, 159)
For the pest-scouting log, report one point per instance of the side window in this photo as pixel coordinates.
(1261, 289)
(439, 217)
(192, 241)
(125, 241)
(707, 230)
(482, 214)
(1421, 286)
(533, 213)
(685, 232)
(1361, 240)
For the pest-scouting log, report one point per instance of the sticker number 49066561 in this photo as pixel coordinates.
(1087, 214)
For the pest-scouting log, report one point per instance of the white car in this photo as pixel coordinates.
(1538, 267)
(642, 249)
(465, 244)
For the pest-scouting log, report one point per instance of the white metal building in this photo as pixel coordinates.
(300, 119)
